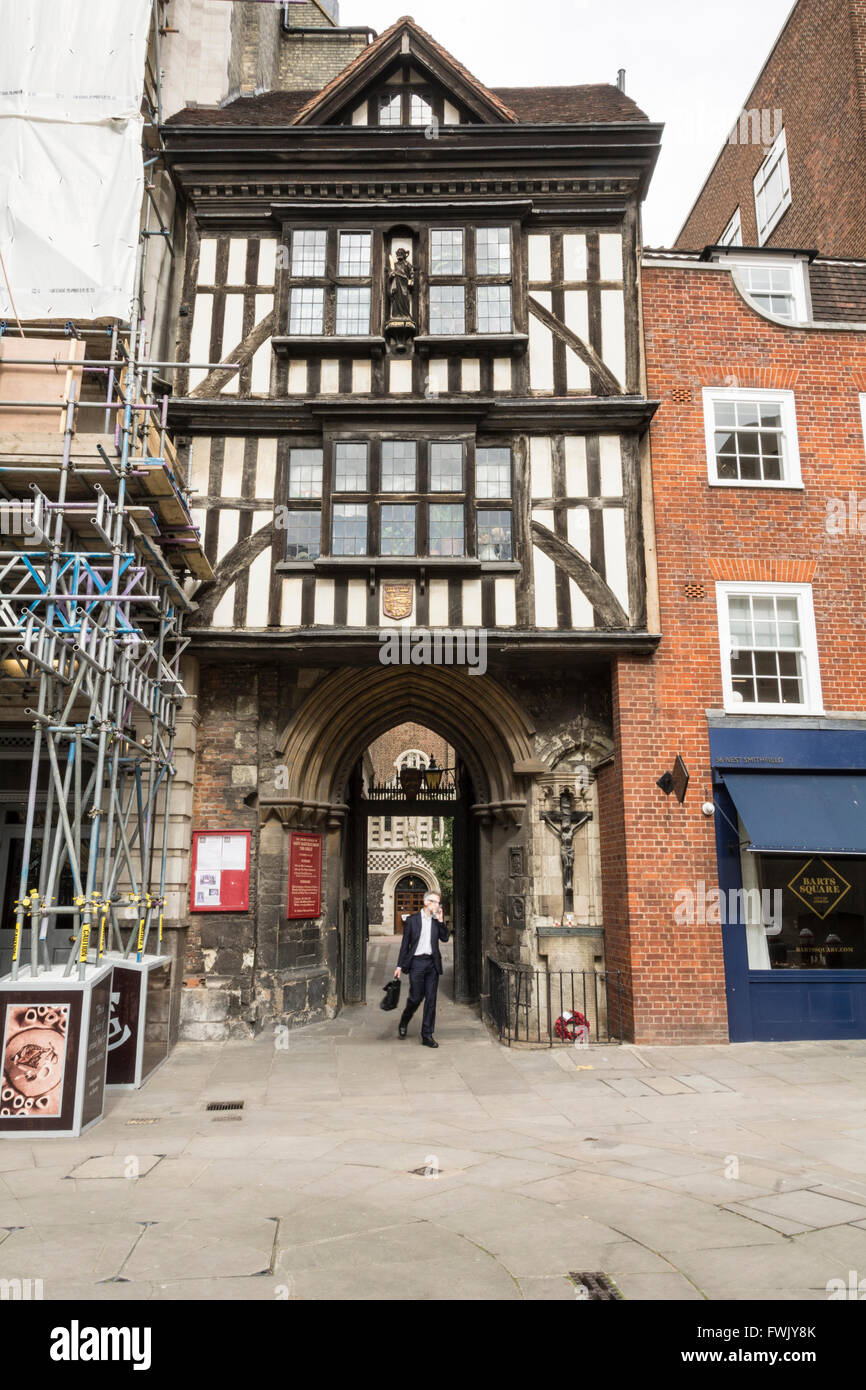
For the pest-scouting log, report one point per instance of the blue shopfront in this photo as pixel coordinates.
(790, 799)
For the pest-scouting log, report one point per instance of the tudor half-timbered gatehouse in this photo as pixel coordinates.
(430, 415)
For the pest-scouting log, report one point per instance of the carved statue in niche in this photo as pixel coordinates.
(564, 823)
(400, 328)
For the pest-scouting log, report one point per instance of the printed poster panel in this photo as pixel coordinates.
(95, 1043)
(221, 871)
(305, 876)
(123, 1026)
(156, 1017)
(39, 1036)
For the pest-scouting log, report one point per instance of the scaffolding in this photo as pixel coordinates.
(97, 553)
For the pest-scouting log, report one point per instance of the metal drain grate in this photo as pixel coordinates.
(147, 1120)
(225, 1105)
(595, 1288)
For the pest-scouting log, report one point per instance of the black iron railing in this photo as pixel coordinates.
(554, 1007)
(441, 785)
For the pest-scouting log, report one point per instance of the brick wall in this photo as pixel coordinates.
(387, 749)
(700, 333)
(817, 78)
(307, 63)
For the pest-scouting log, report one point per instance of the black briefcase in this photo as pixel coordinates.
(392, 996)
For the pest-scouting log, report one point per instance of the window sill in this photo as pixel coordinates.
(799, 711)
(328, 345)
(362, 564)
(506, 344)
(763, 485)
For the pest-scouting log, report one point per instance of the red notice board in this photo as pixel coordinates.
(220, 871)
(305, 875)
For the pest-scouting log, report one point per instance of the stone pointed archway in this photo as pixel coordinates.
(319, 752)
(349, 709)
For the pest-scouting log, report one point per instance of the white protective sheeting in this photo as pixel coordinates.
(71, 177)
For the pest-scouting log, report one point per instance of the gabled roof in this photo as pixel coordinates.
(409, 39)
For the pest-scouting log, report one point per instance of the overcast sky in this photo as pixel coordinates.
(689, 64)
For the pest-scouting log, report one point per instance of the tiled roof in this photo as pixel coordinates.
(532, 105)
(570, 105)
(270, 108)
(838, 290)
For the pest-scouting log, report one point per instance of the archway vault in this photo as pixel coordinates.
(352, 707)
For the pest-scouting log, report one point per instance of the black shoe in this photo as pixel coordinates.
(402, 1030)
(429, 1042)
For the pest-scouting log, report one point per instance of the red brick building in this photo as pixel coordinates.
(759, 478)
(793, 172)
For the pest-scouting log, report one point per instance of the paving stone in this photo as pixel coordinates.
(93, 1251)
(629, 1086)
(196, 1249)
(116, 1166)
(668, 1086)
(810, 1208)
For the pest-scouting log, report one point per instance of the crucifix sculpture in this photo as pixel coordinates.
(564, 823)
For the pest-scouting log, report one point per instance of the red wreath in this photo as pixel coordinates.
(572, 1026)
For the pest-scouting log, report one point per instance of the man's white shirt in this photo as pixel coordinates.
(425, 940)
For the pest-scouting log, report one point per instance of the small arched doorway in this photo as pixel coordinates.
(408, 898)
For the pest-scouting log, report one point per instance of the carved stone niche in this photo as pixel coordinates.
(401, 316)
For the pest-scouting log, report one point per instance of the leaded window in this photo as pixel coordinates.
(307, 311)
(397, 536)
(353, 310)
(493, 473)
(309, 253)
(305, 473)
(446, 467)
(494, 535)
(399, 465)
(447, 309)
(349, 530)
(303, 535)
(351, 467)
(470, 280)
(447, 529)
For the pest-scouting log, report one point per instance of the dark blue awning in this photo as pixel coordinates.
(789, 813)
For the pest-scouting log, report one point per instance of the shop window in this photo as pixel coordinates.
(769, 648)
(751, 438)
(810, 911)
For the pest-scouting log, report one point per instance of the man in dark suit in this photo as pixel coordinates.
(419, 954)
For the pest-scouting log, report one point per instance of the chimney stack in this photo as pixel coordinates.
(620, 79)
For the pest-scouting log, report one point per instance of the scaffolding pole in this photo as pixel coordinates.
(96, 547)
